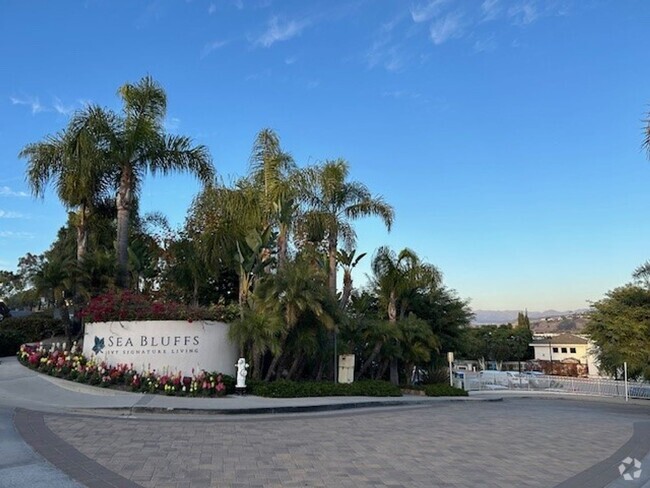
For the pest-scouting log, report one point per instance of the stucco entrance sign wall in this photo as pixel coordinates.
(167, 346)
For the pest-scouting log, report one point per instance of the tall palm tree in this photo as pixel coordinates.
(74, 162)
(272, 172)
(138, 145)
(333, 202)
(228, 225)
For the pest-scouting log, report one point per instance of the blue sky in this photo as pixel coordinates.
(506, 133)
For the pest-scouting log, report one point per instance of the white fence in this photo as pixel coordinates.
(475, 381)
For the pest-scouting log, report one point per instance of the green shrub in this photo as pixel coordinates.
(15, 331)
(10, 342)
(229, 382)
(294, 389)
(443, 389)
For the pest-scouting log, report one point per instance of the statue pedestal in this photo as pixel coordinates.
(240, 390)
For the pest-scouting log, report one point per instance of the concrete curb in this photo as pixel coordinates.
(330, 407)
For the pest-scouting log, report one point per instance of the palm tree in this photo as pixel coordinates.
(349, 262)
(256, 333)
(332, 202)
(397, 278)
(271, 171)
(138, 144)
(290, 294)
(74, 162)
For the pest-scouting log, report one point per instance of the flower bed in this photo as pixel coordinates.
(70, 364)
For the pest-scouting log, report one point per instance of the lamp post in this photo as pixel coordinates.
(487, 349)
(336, 362)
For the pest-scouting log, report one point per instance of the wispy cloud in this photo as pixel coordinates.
(35, 105)
(491, 9)
(4, 214)
(279, 29)
(32, 102)
(212, 46)
(389, 56)
(445, 28)
(427, 11)
(212, 8)
(290, 60)
(6, 191)
(402, 95)
(524, 13)
(172, 123)
(61, 108)
(8, 234)
(486, 45)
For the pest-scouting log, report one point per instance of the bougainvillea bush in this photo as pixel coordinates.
(127, 305)
(57, 360)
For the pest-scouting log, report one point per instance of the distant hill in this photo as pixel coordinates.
(483, 317)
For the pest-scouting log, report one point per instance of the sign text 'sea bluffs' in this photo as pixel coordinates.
(162, 345)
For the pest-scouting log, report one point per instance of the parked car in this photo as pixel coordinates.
(511, 379)
(4, 311)
(640, 391)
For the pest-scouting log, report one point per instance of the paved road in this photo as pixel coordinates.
(519, 442)
(21, 466)
(514, 443)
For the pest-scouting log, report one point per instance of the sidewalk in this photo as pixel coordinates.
(21, 387)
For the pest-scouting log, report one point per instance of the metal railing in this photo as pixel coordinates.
(475, 381)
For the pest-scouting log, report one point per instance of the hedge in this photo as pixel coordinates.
(295, 389)
(15, 331)
(443, 389)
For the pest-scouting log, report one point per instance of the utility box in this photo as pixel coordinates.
(346, 368)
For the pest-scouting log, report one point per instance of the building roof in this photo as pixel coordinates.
(565, 339)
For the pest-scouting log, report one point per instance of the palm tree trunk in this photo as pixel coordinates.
(123, 203)
(382, 370)
(347, 289)
(373, 355)
(392, 318)
(257, 364)
(394, 371)
(243, 291)
(195, 292)
(294, 366)
(272, 367)
(82, 235)
(332, 246)
(321, 368)
(282, 247)
(392, 307)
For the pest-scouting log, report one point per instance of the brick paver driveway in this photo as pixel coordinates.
(514, 443)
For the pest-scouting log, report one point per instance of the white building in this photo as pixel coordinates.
(566, 349)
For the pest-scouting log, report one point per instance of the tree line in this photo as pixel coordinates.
(270, 246)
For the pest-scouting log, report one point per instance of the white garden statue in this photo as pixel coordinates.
(242, 372)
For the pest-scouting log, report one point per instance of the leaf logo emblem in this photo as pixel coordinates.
(99, 345)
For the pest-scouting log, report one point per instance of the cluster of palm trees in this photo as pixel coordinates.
(103, 155)
(271, 243)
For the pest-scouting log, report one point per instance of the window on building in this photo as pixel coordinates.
(573, 350)
(564, 349)
(555, 349)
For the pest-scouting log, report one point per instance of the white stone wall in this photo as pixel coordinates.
(167, 346)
